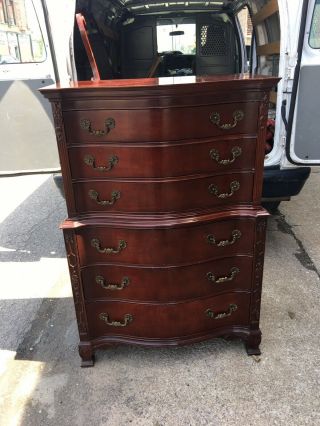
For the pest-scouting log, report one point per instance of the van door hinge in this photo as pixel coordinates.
(288, 77)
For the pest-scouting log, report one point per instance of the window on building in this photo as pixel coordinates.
(314, 38)
(10, 12)
(3, 17)
(21, 39)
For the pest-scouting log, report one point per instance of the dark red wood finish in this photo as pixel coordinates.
(160, 124)
(81, 22)
(167, 321)
(227, 84)
(169, 246)
(161, 133)
(166, 284)
(162, 160)
(175, 195)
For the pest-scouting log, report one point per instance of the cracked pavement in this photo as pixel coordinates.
(209, 383)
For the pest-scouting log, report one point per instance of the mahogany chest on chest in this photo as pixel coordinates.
(165, 232)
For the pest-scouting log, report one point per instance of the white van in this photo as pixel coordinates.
(155, 38)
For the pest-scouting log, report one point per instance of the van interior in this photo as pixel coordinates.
(148, 38)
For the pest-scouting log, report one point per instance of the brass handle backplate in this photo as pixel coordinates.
(109, 123)
(236, 151)
(108, 250)
(221, 315)
(90, 161)
(237, 115)
(234, 186)
(236, 235)
(94, 195)
(127, 319)
(233, 272)
(108, 286)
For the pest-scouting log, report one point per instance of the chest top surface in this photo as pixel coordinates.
(160, 86)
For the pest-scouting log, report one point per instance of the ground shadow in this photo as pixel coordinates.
(31, 231)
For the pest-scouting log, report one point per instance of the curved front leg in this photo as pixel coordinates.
(87, 354)
(252, 342)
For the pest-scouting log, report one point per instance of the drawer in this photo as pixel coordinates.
(171, 195)
(167, 246)
(165, 284)
(160, 124)
(165, 321)
(162, 160)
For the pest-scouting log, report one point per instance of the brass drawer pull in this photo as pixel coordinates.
(90, 161)
(108, 250)
(236, 151)
(85, 124)
(221, 315)
(127, 319)
(233, 272)
(234, 186)
(237, 115)
(94, 195)
(101, 281)
(236, 235)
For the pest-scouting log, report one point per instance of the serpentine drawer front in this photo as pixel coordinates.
(169, 246)
(163, 321)
(165, 230)
(166, 284)
(174, 195)
(161, 124)
(162, 161)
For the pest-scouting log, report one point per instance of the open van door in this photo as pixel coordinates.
(26, 64)
(303, 127)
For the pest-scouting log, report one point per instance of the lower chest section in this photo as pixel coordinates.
(168, 283)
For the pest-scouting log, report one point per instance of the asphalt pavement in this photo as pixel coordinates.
(209, 383)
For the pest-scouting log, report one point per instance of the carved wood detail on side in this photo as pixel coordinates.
(75, 278)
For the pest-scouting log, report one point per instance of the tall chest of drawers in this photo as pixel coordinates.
(165, 232)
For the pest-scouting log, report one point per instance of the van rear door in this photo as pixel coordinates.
(303, 129)
(27, 135)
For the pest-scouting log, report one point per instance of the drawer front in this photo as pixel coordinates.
(167, 284)
(160, 124)
(163, 247)
(167, 321)
(162, 161)
(163, 196)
